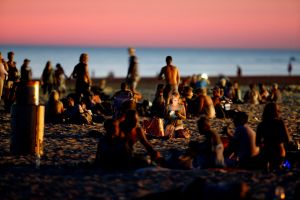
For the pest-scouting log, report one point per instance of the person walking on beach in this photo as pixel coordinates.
(81, 74)
(290, 68)
(47, 79)
(239, 71)
(132, 77)
(3, 74)
(13, 73)
(60, 78)
(26, 73)
(170, 74)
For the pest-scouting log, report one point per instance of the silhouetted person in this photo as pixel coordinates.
(54, 108)
(272, 135)
(60, 78)
(13, 72)
(243, 142)
(132, 77)
(81, 74)
(26, 73)
(47, 79)
(290, 68)
(239, 71)
(170, 74)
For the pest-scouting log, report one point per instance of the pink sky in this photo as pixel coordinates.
(153, 23)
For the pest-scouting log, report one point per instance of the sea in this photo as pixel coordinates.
(104, 61)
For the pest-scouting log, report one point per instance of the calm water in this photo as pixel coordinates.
(190, 61)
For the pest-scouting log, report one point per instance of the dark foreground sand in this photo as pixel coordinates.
(66, 170)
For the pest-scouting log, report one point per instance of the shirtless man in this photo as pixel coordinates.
(204, 104)
(170, 74)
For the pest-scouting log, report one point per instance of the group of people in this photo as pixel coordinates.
(174, 102)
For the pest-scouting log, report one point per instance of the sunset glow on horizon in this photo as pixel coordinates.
(156, 23)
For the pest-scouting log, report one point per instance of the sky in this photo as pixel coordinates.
(152, 23)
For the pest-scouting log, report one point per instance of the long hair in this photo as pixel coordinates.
(271, 111)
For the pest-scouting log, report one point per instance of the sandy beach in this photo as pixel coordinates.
(66, 169)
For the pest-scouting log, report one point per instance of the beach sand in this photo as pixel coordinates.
(66, 170)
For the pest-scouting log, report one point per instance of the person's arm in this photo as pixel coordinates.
(181, 114)
(142, 138)
(178, 77)
(160, 75)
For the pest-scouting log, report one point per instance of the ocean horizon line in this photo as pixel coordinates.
(147, 47)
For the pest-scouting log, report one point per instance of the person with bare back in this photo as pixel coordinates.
(170, 74)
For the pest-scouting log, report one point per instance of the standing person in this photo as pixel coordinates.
(239, 71)
(13, 72)
(47, 79)
(60, 77)
(3, 74)
(290, 68)
(132, 77)
(26, 73)
(172, 78)
(272, 135)
(81, 74)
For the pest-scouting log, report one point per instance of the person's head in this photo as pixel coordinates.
(111, 127)
(26, 61)
(70, 102)
(48, 65)
(175, 96)
(188, 91)
(124, 86)
(58, 66)
(169, 60)
(216, 91)
(54, 96)
(275, 86)
(10, 55)
(240, 118)
(159, 89)
(271, 111)
(203, 124)
(131, 51)
(84, 58)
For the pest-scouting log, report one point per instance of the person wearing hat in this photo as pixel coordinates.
(26, 73)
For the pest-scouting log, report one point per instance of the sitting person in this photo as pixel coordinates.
(188, 101)
(264, 93)
(275, 95)
(71, 113)
(119, 98)
(272, 135)
(111, 151)
(54, 108)
(131, 132)
(204, 104)
(158, 104)
(210, 153)
(217, 102)
(252, 96)
(174, 115)
(242, 144)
